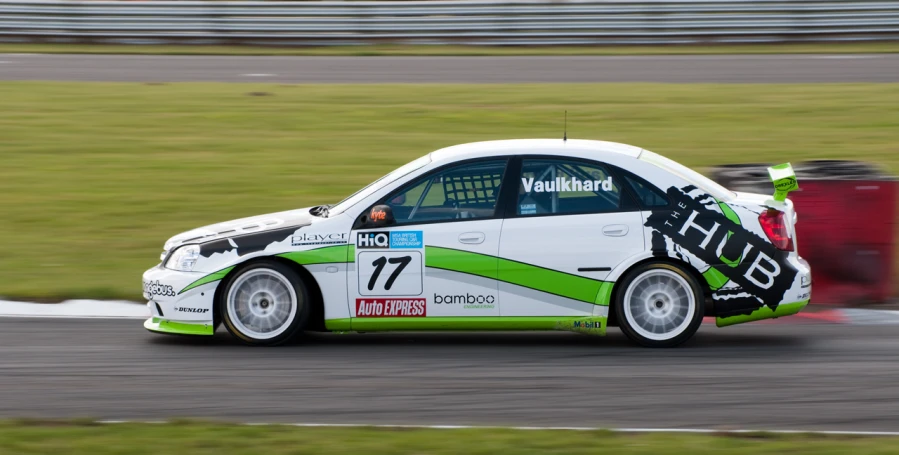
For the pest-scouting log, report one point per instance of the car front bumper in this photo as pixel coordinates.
(177, 304)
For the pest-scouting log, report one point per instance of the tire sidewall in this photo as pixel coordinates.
(300, 318)
(692, 327)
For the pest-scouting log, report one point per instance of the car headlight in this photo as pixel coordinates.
(184, 258)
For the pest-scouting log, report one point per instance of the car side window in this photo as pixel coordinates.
(466, 191)
(558, 186)
(647, 193)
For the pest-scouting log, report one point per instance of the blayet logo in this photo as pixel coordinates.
(373, 240)
(391, 239)
(318, 239)
(388, 308)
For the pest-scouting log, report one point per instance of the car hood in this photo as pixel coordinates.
(279, 220)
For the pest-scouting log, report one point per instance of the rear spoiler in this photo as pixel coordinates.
(784, 180)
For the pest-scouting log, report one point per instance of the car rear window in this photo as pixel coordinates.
(702, 182)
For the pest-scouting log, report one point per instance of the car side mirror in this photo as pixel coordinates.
(378, 216)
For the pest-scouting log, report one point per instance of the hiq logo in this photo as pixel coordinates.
(373, 240)
(392, 239)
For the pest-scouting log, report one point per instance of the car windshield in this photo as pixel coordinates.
(702, 182)
(372, 187)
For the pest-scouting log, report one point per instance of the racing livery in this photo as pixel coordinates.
(502, 235)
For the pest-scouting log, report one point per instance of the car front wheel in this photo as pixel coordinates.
(659, 305)
(265, 303)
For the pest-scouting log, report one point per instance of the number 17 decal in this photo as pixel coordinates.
(379, 266)
(390, 273)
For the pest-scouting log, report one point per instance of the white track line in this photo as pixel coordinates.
(844, 57)
(529, 428)
(76, 309)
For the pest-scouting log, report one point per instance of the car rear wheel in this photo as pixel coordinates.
(660, 305)
(265, 304)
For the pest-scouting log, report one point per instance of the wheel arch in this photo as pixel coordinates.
(623, 271)
(317, 311)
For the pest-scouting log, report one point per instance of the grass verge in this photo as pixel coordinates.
(96, 176)
(35, 437)
(410, 50)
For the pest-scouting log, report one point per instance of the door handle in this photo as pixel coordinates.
(471, 237)
(615, 230)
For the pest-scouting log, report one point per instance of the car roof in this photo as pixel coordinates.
(534, 147)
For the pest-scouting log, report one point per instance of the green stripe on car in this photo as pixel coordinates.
(214, 276)
(324, 255)
(530, 276)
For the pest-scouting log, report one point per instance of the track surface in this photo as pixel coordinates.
(712, 68)
(762, 376)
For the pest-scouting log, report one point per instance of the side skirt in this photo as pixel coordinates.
(586, 325)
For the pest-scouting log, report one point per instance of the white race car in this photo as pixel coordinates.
(504, 235)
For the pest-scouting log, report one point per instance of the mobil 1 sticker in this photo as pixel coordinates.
(390, 273)
(390, 240)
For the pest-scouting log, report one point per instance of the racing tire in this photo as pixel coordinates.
(264, 304)
(659, 305)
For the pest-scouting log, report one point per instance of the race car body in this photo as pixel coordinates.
(503, 235)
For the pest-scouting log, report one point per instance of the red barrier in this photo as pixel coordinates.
(846, 232)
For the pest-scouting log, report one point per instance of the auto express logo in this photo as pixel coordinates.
(384, 308)
(158, 289)
(744, 257)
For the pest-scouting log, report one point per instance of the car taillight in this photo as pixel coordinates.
(775, 226)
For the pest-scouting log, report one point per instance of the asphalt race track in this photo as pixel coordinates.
(759, 376)
(709, 68)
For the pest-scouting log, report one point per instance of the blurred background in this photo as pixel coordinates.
(125, 122)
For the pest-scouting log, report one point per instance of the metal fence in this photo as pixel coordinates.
(447, 22)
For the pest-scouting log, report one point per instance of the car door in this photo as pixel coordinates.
(438, 258)
(571, 225)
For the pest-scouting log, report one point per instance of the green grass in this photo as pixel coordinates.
(73, 438)
(812, 48)
(96, 176)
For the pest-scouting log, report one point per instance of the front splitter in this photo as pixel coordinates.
(180, 328)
